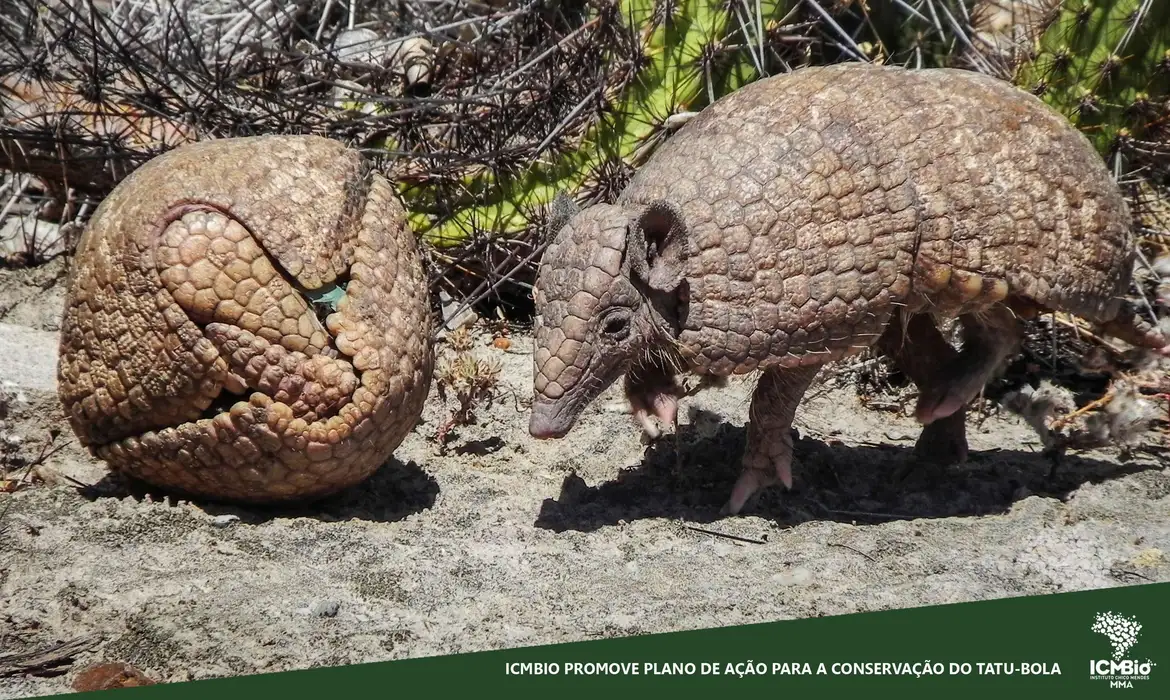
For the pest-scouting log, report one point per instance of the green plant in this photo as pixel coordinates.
(667, 58)
(1105, 64)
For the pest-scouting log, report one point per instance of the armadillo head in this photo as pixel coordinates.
(610, 291)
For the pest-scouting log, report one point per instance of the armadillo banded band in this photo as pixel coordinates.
(813, 214)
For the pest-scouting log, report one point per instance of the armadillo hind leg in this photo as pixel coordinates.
(1129, 326)
(989, 338)
(768, 456)
(920, 352)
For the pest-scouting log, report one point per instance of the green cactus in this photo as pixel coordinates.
(907, 33)
(1105, 64)
(676, 76)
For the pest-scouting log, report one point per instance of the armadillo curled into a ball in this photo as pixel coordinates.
(813, 214)
(247, 319)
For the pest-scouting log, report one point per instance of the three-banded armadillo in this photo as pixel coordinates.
(247, 320)
(813, 214)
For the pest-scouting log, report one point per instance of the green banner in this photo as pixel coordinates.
(1103, 643)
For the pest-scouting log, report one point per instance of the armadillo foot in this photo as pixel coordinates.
(921, 352)
(943, 441)
(655, 412)
(653, 392)
(768, 456)
(1130, 327)
(989, 338)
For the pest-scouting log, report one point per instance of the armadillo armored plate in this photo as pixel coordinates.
(247, 320)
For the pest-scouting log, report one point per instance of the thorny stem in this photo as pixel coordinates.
(850, 45)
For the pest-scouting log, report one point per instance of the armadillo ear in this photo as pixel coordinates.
(657, 245)
(561, 209)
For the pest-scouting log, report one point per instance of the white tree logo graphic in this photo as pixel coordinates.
(1122, 631)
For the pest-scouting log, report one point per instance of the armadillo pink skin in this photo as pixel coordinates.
(808, 216)
(190, 357)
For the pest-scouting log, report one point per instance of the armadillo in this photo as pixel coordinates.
(813, 214)
(247, 320)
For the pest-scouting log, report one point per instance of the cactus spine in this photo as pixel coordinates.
(677, 70)
(1105, 64)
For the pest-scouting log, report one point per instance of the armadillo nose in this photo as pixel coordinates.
(542, 429)
(546, 423)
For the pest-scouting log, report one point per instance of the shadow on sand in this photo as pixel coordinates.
(689, 478)
(397, 490)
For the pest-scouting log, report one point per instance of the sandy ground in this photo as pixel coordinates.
(506, 541)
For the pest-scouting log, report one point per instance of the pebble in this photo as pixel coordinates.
(326, 608)
(224, 520)
(799, 576)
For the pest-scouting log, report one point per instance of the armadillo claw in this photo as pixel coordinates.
(750, 483)
(755, 479)
(746, 486)
(650, 430)
(661, 413)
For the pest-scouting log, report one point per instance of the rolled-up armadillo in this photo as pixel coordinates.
(810, 215)
(247, 320)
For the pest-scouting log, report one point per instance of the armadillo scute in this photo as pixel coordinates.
(813, 214)
(192, 353)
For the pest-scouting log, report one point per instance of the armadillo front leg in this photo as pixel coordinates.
(920, 351)
(989, 338)
(652, 389)
(768, 455)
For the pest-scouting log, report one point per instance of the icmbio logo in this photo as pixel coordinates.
(1121, 670)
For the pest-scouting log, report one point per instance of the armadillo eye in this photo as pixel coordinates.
(617, 327)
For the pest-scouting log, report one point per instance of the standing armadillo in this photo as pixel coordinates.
(247, 319)
(813, 214)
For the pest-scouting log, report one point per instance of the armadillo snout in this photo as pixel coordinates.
(549, 421)
(590, 325)
(554, 383)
